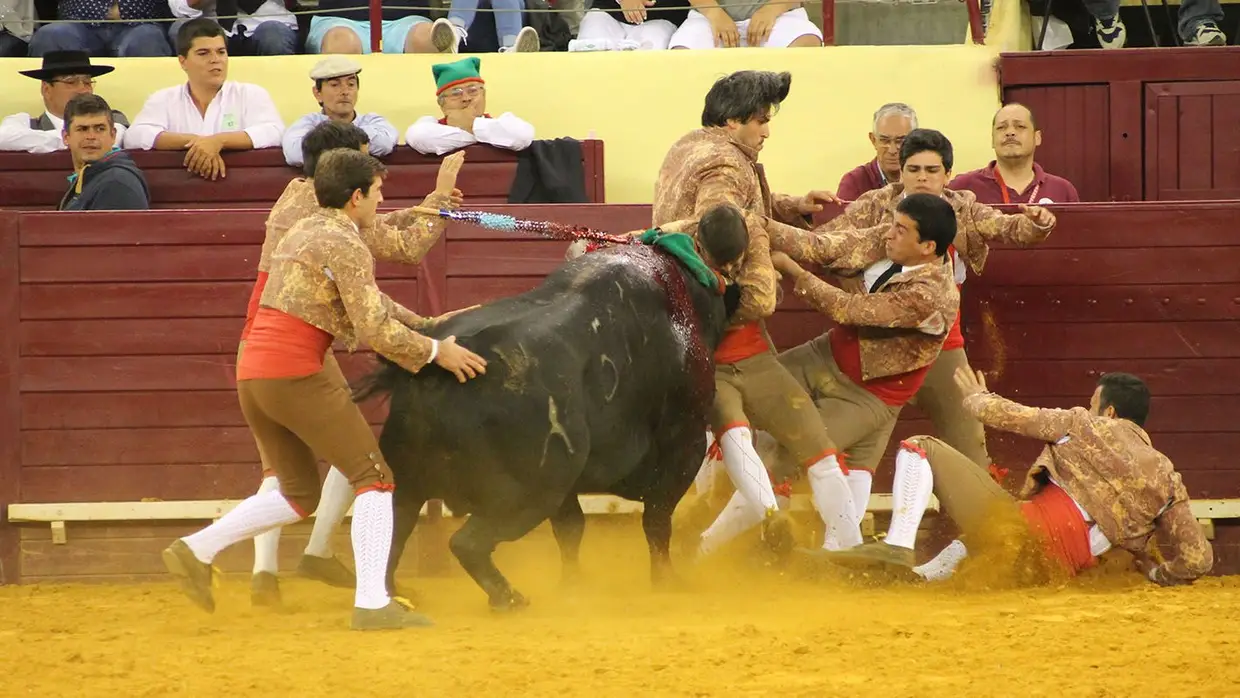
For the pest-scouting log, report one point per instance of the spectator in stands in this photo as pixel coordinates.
(627, 25)
(462, 96)
(1197, 26)
(262, 27)
(336, 86)
(64, 74)
(1013, 177)
(104, 177)
(892, 122)
(509, 18)
(136, 35)
(209, 113)
(766, 23)
(17, 19)
(406, 29)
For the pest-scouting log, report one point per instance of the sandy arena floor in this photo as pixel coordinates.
(741, 631)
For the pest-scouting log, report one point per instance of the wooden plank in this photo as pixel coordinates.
(1112, 303)
(163, 336)
(1022, 380)
(1226, 160)
(1162, 145)
(1099, 267)
(465, 291)
(1083, 66)
(514, 258)
(10, 406)
(153, 446)
(124, 373)
(154, 262)
(134, 300)
(1127, 145)
(91, 228)
(125, 482)
(1144, 224)
(1113, 340)
(1196, 146)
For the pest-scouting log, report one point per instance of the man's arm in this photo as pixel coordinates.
(264, 126)
(846, 249)
(150, 127)
(724, 184)
(405, 236)
(1192, 556)
(1049, 425)
(293, 137)
(984, 224)
(429, 137)
(17, 136)
(383, 135)
(913, 307)
(508, 131)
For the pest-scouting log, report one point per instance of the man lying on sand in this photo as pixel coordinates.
(1098, 483)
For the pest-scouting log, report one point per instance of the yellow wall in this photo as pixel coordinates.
(639, 102)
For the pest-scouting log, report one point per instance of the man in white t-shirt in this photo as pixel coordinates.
(209, 113)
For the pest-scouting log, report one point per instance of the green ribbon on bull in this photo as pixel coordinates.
(682, 247)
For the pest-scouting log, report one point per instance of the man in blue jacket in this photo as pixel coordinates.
(104, 177)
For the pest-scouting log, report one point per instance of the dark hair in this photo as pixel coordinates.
(86, 104)
(935, 218)
(745, 95)
(723, 234)
(1129, 395)
(921, 140)
(198, 28)
(341, 172)
(326, 136)
(318, 84)
(1033, 122)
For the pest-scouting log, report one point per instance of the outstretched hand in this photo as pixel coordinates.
(969, 382)
(813, 201)
(463, 363)
(1040, 216)
(445, 182)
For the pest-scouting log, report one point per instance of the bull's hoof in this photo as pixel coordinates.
(511, 601)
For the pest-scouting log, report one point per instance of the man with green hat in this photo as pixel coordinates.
(462, 96)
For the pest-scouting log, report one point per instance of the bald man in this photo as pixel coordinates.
(1013, 177)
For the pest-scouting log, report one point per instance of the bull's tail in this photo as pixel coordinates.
(380, 381)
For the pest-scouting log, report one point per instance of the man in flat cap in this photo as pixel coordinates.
(63, 75)
(462, 97)
(337, 84)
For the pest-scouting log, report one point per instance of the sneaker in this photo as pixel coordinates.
(527, 42)
(446, 37)
(1207, 34)
(394, 616)
(329, 570)
(1111, 33)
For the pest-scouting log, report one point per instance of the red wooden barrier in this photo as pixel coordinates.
(122, 328)
(257, 177)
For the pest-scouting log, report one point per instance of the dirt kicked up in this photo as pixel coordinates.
(738, 630)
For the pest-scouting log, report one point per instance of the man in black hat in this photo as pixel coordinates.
(64, 74)
(105, 28)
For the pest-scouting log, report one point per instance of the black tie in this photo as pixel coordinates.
(882, 278)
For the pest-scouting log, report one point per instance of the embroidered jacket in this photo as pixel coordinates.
(400, 236)
(1111, 469)
(901, 325)
(706, 168)
(323, 273)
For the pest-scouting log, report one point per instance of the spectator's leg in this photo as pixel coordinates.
(67, 37)
(12, 47)
(272, 38)
(792, 30)
(462, 13)
(1199, 23)
(508, 21)
(142, 41)
(599, 32)
(1107, 24)
(652, 35)
(337, 35)
(695, 32)
(413, 34)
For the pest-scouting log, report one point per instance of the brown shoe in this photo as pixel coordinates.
(265, 590)
(894, 560)
(777, 532)
(394, 616)
(329, 570)
(194, 573)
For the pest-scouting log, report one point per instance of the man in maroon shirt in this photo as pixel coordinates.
(892, 122)
(1013, 177)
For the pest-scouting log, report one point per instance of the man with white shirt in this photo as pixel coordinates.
(64, 74)
(462, 97)
(337, 83)
(209, 113)
(261, 27)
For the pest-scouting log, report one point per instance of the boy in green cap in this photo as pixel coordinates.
(462, 97)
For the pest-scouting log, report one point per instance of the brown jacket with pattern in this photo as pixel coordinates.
(706, 168)
(901, 325)
(1111, 469)
(400, 236)
(324, 273)
(977, 224)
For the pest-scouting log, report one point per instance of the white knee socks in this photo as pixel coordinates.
(705, 479)
(372, 541)
(745, 468)
(833, 499)
(910, 495)
(737, 517)
(251, 517)
(267, 544)
(860, 482)
(333, 503)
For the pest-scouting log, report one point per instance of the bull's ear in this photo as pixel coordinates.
(731, 298)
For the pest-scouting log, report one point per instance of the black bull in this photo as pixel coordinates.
(598, 381)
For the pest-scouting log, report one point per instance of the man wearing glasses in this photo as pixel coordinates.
(892, 122)
(64, 74)
(462, 97)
